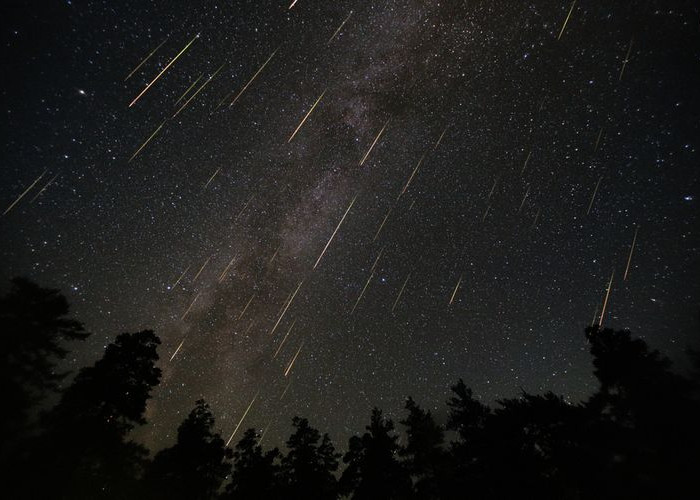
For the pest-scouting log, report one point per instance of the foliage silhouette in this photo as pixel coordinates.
(373, 471)
(256, 473)
(195, 466)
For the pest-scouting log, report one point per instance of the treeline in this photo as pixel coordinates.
(637, 437)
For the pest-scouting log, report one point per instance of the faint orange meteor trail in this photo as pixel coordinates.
(198, 90)
(364, 158)
(242, 418)
(382, 225)
(274, 255)
(605, 302)
(286, 307)
(44, 188)
(398, 297)
(626, 60)
(253, 78)
(246, 307)
(440, 139)
(201, 269)
(181, 276)
(144, 61)
(455, 291)
(597, 141)
(527, 160)
(190, 308)
(291, 364)
(486, 213)
(306, 117)
(362, 293)
(24, 193)
(164, 70)
(336, 230)
(177, 350)
(147, 141)
(537, 216)
(339, 28)
(566, 21)
(595, 191)
(629, 259)
(212, 178)
(284, 339)
(412, 174)
(222, 276)
(188, 89)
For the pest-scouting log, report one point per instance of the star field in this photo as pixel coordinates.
(509, 156)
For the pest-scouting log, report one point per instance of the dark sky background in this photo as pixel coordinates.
(529, 120)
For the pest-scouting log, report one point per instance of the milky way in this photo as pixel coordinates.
(472, 172)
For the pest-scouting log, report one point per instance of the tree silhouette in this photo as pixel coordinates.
(308, 466)
(34, 324)
(255, 473)
(195, 467)
(424, 455)
(373, 472)
(84, 452)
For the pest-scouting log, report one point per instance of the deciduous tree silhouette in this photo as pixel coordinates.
(255, 473)
(85, 451)
(195, 466)
(34, 323)
(373, 471)
(308, 466)
(424, 455)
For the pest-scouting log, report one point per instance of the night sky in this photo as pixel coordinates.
(512, 150)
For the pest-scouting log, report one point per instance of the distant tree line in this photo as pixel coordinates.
(637, 437)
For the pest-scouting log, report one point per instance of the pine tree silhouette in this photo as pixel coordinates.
(255, 473)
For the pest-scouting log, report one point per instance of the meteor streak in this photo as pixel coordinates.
(201, 269)
(177, 350)
(522, 203)
(597, 141)
(440, 139)
(164, 70)
(291, 364)
(144, 61)
(225, 272)
(285, 390)
(398, 297)
(244, 207)
(24, 193)
(605, 302)
(286, 307)
(294, 2)
(305, 117)
(339, 28)
(412, 174)
(527, 160)
(188, 89)
(181, 276)
(242, 418)
(284, 339)
(629, 259)
(253, 78)
(595, 191)
(362, 293)
(190, 308)
(246, 307)
(493, 188)
(336, 230)
(625, 61)
(376, 260)
(212, 178)
(455, 291)
(382, 225)
(147, 141)
(486, 213)
(364, 158)
(198, 90)
(566, 20)
(44, 188)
